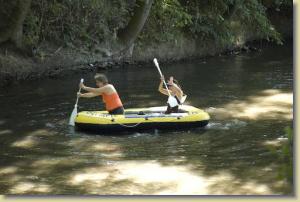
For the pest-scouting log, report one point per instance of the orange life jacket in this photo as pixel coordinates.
(112, 101)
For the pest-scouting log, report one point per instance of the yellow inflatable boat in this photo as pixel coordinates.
(141, 119)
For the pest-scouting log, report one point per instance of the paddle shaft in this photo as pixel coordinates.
(81, 81)
(77, 98)
(157, 66)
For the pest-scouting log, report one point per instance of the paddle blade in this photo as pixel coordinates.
(172, 101)
(155, 62)
(73, 116)
(157, 66)
(183, 99)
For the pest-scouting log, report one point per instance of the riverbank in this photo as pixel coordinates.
(16, 67)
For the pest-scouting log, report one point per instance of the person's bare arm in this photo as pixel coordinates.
(87, 95)
(96, 91)
(161, 89)
(179, 92)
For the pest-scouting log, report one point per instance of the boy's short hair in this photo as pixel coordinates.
(101, 78)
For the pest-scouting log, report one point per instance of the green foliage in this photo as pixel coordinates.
(166, 20)
(222, 21)
(76, 23)
(209, 21)
(253, 14)
(88, 23)
(6, 13)
(283, 3)
(277, 4)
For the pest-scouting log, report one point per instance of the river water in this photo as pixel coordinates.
(249, 99)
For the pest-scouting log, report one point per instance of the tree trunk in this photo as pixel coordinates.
(12, 16)
(128, 35)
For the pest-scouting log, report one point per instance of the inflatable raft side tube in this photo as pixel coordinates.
(96, 128)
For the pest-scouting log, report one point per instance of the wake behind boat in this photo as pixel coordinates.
(141, 119)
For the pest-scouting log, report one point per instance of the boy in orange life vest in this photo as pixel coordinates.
(108, 92)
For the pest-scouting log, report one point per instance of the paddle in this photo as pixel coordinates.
(171, 100)
(74, 112)
(183, 99)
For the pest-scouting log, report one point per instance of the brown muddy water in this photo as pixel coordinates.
(249, 98)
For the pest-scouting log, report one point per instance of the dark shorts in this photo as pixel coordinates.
(119, 110)
(172, 109)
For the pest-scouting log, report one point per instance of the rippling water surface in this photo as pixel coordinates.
(248, 96)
